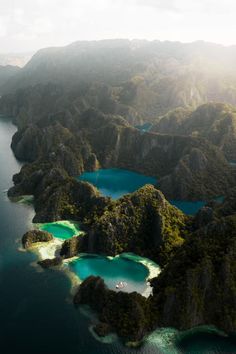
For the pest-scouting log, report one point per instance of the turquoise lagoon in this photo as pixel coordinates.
(146, 127)
(116, 182)
(61, 229)
(189, 208)
(114, 270)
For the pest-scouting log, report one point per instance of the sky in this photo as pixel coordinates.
(28, 25)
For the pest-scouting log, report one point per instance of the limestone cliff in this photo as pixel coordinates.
(198, 285)
(186, 167)
(214, 121)
(121, 312)
(143, 222)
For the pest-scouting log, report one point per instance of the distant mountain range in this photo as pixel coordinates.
(141, 78)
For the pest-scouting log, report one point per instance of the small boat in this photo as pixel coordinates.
(121, 285)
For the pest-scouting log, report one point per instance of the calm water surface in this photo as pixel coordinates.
(113, 271)
(117, 182)
(60, 231)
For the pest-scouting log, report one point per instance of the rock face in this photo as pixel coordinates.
(23, 139)
(56, 195)
(200, 280)
(102, 329)
(48, 263)
(203, 217)
(121, 312)
(70, 248)
(35, 236)
(6, 73)
(214, 121)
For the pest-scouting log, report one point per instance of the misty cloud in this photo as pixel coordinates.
(28, 25)
(169, 5)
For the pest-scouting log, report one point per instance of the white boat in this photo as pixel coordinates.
(121, 285)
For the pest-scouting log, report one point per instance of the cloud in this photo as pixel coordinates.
(3, 27)
(29, 25)
(167, 5)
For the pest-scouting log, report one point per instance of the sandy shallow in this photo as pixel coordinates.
(47, 250)
(72, 225)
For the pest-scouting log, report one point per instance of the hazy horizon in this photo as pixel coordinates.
(32, 52)
(28, 26)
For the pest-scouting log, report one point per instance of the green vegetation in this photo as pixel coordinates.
(143, 223)
(214, 121)
(199, 284)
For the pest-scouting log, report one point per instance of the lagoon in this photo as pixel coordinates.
(115, 183)
(61, 229)
(113, 270)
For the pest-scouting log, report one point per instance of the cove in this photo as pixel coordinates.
(61, 229)
(113, 270)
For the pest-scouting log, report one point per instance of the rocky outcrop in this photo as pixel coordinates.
(102, 329)
(121, 312)
(48, 263)
(34, 236)
(21, 141)
(56, 195)
(70, 248)
(143, 222)
(68, 200)
(203, 217)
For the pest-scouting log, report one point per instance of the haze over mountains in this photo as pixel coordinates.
(15, 59)
(144, 78)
